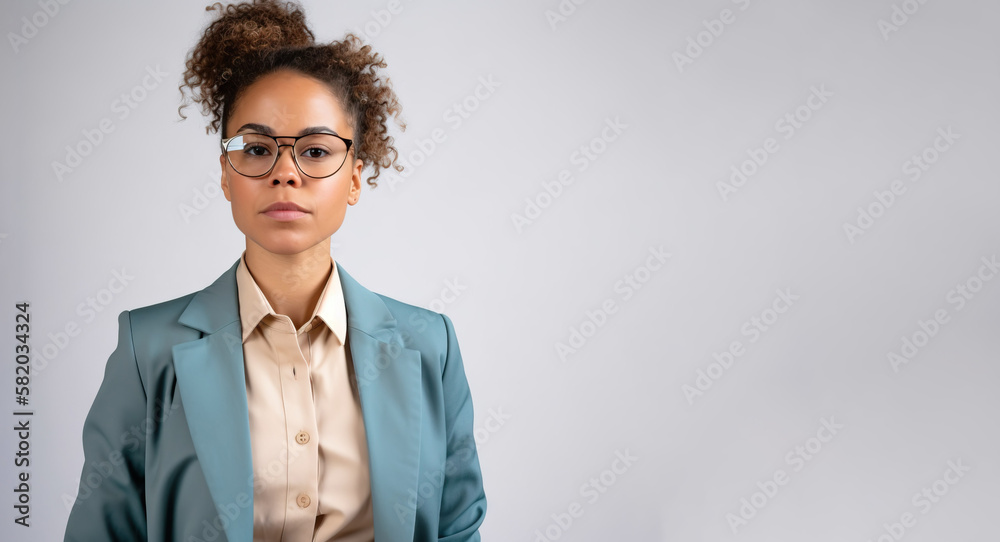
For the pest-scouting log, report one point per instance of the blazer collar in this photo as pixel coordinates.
(217, 306)
(212, 382)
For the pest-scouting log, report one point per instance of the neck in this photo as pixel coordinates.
(292, 283)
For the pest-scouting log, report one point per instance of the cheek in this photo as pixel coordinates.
(334, 195)
(332, 203)
(240, 196)
(242, 202)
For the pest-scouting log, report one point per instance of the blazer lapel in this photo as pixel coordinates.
(389, 384)
(212, 382)
(213, 391)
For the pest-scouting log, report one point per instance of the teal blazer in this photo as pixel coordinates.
(167, 441)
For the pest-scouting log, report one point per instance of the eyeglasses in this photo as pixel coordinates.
(316, 155)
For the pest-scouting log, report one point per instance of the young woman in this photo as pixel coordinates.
(285, 401)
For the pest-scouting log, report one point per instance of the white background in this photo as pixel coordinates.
(887, 92)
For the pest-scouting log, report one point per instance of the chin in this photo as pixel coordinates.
(285, 245)
(288, 249)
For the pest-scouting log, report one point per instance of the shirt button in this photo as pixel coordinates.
(302, 437)
(303, 500)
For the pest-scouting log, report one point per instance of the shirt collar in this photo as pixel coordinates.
(254, 307)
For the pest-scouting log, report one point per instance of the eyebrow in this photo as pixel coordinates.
(263, 129)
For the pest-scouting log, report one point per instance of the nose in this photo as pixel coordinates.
(285, 170)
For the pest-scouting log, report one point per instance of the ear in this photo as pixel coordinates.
(355, 193)
(224, 179)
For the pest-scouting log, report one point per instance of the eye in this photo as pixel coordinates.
(256, 150)
(315, 153)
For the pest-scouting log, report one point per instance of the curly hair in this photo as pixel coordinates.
(252, 39)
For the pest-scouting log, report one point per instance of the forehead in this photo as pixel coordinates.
(287, 101)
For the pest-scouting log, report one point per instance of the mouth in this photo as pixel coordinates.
(284, 211)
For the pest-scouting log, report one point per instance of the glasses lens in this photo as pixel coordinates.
(320, 155)
(251, 154)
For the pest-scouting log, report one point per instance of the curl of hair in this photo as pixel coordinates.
(252, 39)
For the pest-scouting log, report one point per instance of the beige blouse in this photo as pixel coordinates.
(310, 456)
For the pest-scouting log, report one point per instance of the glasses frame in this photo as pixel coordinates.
(277, 154)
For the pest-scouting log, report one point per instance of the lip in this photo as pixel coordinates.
(284, 211)
(284, 206)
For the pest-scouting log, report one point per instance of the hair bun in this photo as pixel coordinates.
(245, 29)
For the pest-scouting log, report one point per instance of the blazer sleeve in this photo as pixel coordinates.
(110, 505)
(463, 500)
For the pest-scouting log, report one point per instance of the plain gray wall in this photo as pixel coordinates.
(834, 99)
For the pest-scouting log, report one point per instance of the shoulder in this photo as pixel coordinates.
(420, 328)
(160, 313)
(155, 328)
(210, 307)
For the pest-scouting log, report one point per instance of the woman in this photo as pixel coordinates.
(285, 401)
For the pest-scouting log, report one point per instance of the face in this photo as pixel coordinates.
(285, 103)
